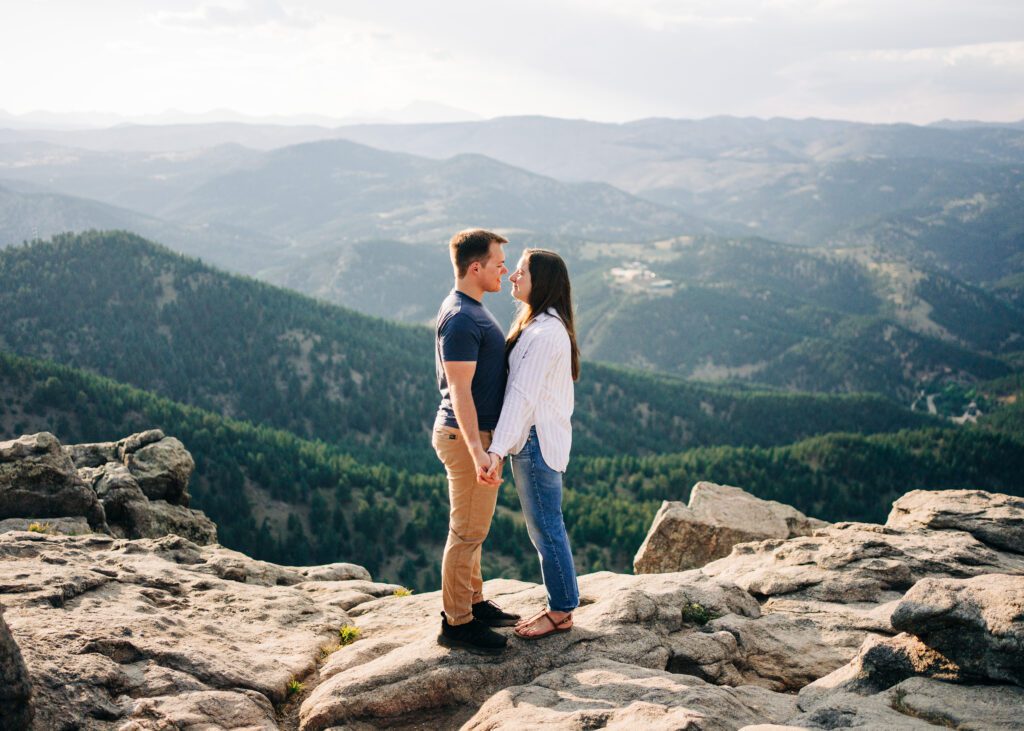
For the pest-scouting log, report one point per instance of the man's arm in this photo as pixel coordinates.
(459, 374)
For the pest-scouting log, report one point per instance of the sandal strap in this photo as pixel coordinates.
(534, 618)
(556, 625)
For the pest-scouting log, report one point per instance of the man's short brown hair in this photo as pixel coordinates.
(473, 244)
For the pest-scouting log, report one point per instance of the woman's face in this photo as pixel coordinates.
(520, 279)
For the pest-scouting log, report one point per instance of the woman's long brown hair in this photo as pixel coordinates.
(549, 287)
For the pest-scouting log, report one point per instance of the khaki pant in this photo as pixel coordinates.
(472, 507)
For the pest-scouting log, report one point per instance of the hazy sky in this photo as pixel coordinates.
(872, 60)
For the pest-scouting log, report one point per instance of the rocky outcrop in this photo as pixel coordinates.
(162, 467)
(717, 518)
(903, 683)
(148, 632)
(858, 562)
(967, 707)
(882, 663)
(853, 625)
(133, 488)
(131, 513)
(977, 623)
(821, 596)
(596, 694)
(400, 675)
(997, 520)
(38, 480)
(824, 605)
(15, 688)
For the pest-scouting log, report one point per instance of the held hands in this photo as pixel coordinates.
(488, 470)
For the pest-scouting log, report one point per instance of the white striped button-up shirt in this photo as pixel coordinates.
(539, 393)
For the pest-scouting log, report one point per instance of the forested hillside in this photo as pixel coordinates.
(290, 500)
(761, 312)
(309, 422)
(734, 310)
(116, 305)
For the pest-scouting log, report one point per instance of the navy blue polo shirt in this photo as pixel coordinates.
(467, 331)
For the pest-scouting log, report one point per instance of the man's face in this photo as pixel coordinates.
(492, 269)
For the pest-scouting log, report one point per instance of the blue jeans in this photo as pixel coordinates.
(540, 494)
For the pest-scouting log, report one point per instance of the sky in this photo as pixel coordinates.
(609, 60)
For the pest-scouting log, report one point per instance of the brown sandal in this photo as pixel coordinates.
(556, 627)
(531, 620)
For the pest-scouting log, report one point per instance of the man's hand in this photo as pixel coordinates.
(490, 472)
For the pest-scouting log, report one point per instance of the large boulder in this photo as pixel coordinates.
(15, 687)
(39, 480)
(116, 488)
(977, 623)
(995, 519)
(821, 597)
(963, 707)
(162, 467)
(136, 487)
(131, 514)
(167, 633)
(160, 464)
(717, 518)
(902, 683)
(879, 665)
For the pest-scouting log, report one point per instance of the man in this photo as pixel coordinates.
(470, 364)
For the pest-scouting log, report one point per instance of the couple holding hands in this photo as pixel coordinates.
(504, 397)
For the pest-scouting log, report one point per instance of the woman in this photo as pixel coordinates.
(535, 427)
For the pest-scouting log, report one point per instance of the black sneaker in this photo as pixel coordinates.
(494, 616)
(472, 636)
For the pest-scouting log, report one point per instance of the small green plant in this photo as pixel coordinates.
(348, 634)
(39, 527)
(403, 591)
(695, 613)
(294, 686)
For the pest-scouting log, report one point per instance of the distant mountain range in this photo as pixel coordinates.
(418, 111)
(907, 270)
(809, 182)
(338, 191)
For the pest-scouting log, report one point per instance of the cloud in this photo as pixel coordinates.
(661, 15)
(912, 60)
(243, 14)
(981, 80)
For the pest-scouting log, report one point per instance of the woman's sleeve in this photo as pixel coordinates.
(523, 391)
